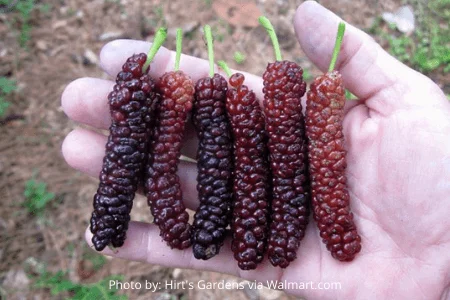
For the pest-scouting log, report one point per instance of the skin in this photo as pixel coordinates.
(397, 136)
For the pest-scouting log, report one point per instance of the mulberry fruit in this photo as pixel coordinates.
(215, 166)
(327, 162)
(285, 126)
(162, 184)
(130, 101)
(251, 178)
(214, 161)
(330, 197)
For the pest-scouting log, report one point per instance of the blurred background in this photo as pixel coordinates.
(44, 45)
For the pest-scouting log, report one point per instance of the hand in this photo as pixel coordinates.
(397, 136)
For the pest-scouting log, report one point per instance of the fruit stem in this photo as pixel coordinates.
(337, 45)
(273, 36)
(159, 39)
(225, 67)
(209, 44)
(178, 49)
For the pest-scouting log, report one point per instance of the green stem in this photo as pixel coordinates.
(337, 45)
(209, 44)
(159, 39)
(178, 49)
(225, 67)
(273, 36)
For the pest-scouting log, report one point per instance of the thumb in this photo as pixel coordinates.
(368, 71)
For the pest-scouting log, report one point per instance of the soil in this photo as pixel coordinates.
(64, 45)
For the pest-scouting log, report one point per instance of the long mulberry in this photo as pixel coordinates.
(214, 163)
(285, 126)
(249, 222)
(130, 100)
(162, 185)
(327, 162)
(215, 167)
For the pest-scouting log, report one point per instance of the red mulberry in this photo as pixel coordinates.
(215, 166)
(283, 89)
(251, 178)
(163, 184)
(330, 198)
(130, 102)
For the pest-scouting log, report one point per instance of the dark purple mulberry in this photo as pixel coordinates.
(215, 166)
(130, 103)
(162, 186)
(327, 163)
(285, 126)
(251, 178)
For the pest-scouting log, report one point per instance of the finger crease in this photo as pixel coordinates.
(349, 57)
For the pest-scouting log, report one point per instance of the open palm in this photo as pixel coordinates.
(398, 141)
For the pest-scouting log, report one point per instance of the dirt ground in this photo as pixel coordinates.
(56, 55)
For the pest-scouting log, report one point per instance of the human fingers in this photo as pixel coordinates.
(116, 52)
(84, 100)
(84, 150)
(368, 71)
(143, 243)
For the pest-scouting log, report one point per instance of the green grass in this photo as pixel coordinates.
(401, 47)
(22, 20)
(58, 283)
(37, 197)
(221, 30)
(428, 48)
(97, 260)
(25, 8)
(7, 86)
(239, 57)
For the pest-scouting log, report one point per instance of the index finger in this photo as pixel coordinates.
(116, 52)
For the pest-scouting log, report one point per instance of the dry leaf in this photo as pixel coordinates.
(403, 19)
(238, 12)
